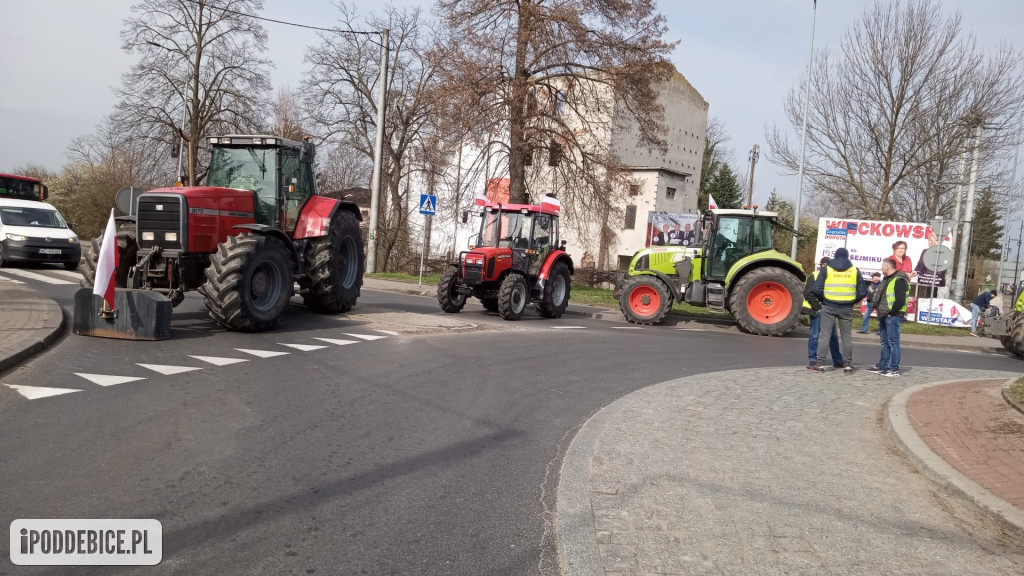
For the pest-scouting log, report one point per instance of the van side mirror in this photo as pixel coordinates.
(46, 192)
(465, 216)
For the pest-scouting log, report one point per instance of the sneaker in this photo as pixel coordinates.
(891, 374)
(815, 368)
(874, 369)
(974, 334)
(847, 369)
(837, 366)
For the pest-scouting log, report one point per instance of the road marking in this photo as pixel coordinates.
(104, 380)
(366, 336)
(388, 332)
(337, 341)
(263, 353)
(216, 361)
(11, 280)
(568, 327)
(34, 276)
(303, 347)
(34, 392)
(628, 328)
(167, 370)
(67, 274)
(690, 330)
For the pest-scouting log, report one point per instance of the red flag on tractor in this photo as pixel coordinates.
(106, 265)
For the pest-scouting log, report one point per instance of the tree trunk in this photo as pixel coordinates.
(517, 111)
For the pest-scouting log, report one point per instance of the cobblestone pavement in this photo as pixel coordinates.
(767, 471)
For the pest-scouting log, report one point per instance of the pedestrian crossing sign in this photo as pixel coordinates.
(428, 204)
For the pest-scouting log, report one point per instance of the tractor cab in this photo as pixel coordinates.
(728, 236)
(278, 172)
(525, 233)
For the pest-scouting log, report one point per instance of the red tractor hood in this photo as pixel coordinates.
(207, 193)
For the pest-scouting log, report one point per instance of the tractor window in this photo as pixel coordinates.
(763, 239)
(294, 173)
(509, 230)
(731, 243)
(248, 168)
(542, 233)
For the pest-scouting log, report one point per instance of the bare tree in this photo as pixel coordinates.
(206, 56)
(892, 112)
(341, 99)
(287, 109)
(514, 67)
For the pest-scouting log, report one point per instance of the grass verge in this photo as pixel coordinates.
(1016, 391)
(430, 279)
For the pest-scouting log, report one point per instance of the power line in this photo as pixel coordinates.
(335, 30)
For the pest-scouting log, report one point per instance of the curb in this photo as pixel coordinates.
(940, 471)
(1009, 400)
(31, 348)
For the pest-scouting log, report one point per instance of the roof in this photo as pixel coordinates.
(280, 140)
(737, 212)
(16, 177)
(12, 203)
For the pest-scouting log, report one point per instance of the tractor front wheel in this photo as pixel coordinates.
(513, 296)
(335, 267)
(448, 296)
(248, 283)
(555, 298)
(1016, 335)
(645, 299)
(766, 301)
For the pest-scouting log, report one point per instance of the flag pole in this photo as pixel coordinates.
(803, 137)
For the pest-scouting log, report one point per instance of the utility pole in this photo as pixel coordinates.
(965, 239)
(1016, 268)
(1006, 215)
(753, 162)
(803, 135)
(378, 156)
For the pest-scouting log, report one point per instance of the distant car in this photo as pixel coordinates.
(33, 231)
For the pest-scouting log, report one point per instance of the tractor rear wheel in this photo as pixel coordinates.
(448, 297)
(555, 297)
(248, 283)
(127, 251)
(1017, 334)
(490, 304)
(766, 301)
(513, 296)
(645, 299)
(335, 266)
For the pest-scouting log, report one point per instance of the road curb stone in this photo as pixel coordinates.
(33, 339)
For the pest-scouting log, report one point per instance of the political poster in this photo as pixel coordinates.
(671, 229)
(943, 312)
(871, 241)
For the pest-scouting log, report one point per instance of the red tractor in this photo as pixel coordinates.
(514, 260)
(245, 238)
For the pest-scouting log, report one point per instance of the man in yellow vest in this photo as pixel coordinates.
(891, 304)
(811, 307)
(839, 288)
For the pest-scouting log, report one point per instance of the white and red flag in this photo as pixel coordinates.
(552, 202)
(712, 205)
(106, 264)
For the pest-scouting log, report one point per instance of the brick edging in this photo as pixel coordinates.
(935, 467)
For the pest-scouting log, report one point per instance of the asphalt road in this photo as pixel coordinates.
(425, 452)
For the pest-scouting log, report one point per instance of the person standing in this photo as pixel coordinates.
(812, 307)
(876, 279)
(890, 301)
(839, 287)
(980, 304)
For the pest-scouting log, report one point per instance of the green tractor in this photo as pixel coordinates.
(732, 267)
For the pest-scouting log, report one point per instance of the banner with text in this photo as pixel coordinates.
(871, 241)
(671, 229)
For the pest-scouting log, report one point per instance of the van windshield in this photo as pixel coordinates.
(32, 217)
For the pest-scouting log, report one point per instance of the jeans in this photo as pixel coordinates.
(889, 334)
(831, 316)
(812, 342)
(867, 315)
(975, 314)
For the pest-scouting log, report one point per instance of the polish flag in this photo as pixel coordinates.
(106, 264)
(480, 199)
(712, 205)
(551, 201)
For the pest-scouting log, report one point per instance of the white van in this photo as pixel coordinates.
(36, 232)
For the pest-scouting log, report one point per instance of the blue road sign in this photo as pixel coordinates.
(428, 204)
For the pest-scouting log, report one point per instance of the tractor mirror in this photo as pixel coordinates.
(465, 216)
(564, 242)
(474, 241)
(46, 192)
(307, 152)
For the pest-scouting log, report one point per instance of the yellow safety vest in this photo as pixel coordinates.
(1019, 306)
(841, 286)
(807, 305)
(890, 296)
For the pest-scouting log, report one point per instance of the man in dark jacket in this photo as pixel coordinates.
(890, 300)
(980, 304)
(839, 287)
(811, 307)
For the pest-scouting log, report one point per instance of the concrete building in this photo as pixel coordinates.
(655, 181)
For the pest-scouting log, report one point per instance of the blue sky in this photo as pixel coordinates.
(61, 65)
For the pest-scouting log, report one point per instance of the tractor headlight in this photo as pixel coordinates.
(16, 237)
(171, 236)
(148, 236)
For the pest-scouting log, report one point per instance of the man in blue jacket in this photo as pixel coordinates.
(839, 287)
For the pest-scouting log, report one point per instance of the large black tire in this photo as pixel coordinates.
(1007, 342)
(555, 297)
(127, 256)
(335, 266)
(490, 304)
(449, 299)
(766, 301)
(2, 261)
(513, 296)
(1017, 334)
(645, 299)
(248, 283)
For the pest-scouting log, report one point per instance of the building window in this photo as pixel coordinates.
(559, 102)
(634, 189)
(630, 218)
(670, 193)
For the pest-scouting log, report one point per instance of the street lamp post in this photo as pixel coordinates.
(378, 156)
(803, 137)
(178, 172)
